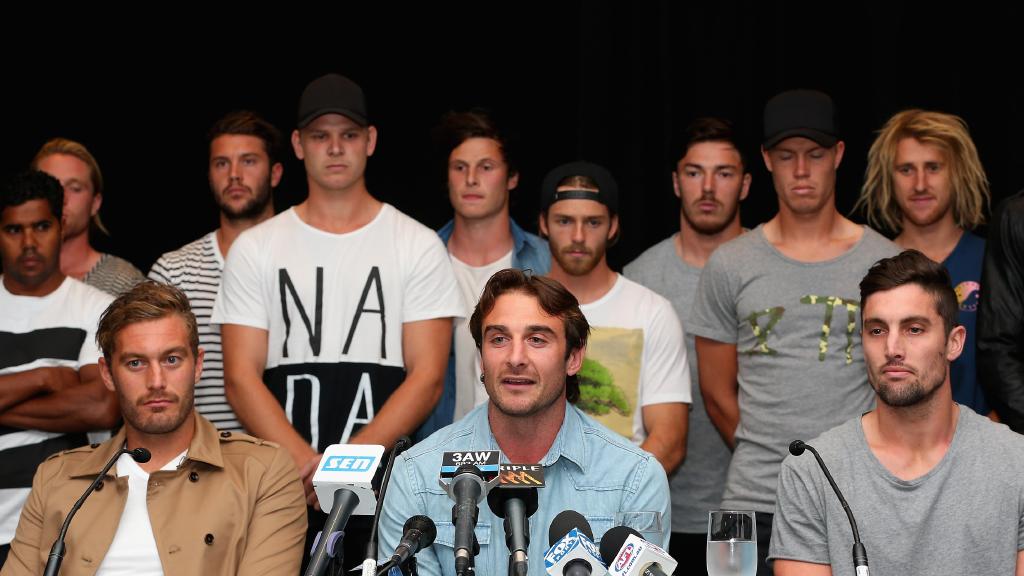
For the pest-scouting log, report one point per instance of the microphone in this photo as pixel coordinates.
(467, 489)
(343, 484)
(860, 554)
(572, 552)
(370, 562)
(628, 554)
(419, 532)
(515, 500)
(140, 455)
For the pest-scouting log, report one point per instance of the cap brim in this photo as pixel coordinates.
(826, 140)
(355, 117)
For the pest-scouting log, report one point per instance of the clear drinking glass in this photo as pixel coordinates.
(732, 543)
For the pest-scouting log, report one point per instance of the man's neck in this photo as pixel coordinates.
(589, 287)
(910, 441)
(230, 228)
(526, 439)
(695, 247)
(44, 289)
(936, 241)
(339, 211)
(481, 241)
(162, 447)
(77, 256)
(815, 237)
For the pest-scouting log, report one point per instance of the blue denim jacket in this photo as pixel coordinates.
(588, 468)
(529, 252)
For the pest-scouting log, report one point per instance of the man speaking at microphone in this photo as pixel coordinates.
(935, 488)
(205, 502)
(532, 337)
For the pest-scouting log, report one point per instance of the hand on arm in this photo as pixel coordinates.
(425, 345)
(666, 426)
(717, 364)
(80, 405)
(20, 386)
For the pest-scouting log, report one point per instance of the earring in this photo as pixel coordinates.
(481, 377)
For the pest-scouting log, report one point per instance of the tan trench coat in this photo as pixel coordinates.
(234, 506)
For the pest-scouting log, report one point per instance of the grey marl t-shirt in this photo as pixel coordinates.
(965, 516)
(696, 486)
(796, 326)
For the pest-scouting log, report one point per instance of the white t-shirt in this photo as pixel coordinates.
(58, 329)
(469, 391)
(334, 306)
(133, 550)
(636, 357)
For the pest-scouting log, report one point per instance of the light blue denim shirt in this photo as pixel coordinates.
(588, 468)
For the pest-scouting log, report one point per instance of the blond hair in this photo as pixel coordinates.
(77, 150)
(948, 132)
(147, 300)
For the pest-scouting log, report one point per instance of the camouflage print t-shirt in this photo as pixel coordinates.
(796, 326)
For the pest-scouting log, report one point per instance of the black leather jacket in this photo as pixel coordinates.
(1001, 314)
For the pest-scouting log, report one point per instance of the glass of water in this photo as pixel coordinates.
(732, 543)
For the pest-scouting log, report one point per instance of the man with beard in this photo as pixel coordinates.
(532, 337)
(203, 503)
(936, 488)
(775, 314)
(79, 173)
(50, 387)
(634, 379)
(710, 178)
(244, 169)
(925, 183)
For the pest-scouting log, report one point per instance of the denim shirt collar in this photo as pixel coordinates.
(570, 441)
(518, 235)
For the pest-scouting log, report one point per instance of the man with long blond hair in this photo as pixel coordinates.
(76, 168)
(925, 184)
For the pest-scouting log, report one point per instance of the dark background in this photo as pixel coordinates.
(606, 82)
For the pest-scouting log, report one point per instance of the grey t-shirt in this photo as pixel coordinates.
(796, 326)
(965, 516)
(696, 486)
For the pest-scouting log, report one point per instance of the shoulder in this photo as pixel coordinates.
(645, 300)
(193, 249)
(652, 259)
(874, 245)
(238, 443)
(86, 297)
(119, 266)
(605, 446)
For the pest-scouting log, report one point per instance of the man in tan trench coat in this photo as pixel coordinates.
(207, 502)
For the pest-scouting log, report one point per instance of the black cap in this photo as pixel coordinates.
(806, 113)
(607, 190)
(332, 93)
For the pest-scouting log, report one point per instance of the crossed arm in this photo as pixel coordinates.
(57, 399)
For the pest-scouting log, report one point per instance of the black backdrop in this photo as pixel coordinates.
(605, 82)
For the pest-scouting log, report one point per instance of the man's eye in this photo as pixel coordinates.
(134, 363)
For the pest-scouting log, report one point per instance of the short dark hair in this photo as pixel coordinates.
(247, 123)
(457, 127)
(553, 299)
(707, 129)
(147, 300)
(913, 267)
(34, 185)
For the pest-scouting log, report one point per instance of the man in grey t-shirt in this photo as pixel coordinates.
(710, 178)
(936, 488)
(775, 312)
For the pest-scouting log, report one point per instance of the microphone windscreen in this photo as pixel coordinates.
(566, 521)
(140, 455)
(613, 540)
(796, 447)
(428, 531)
